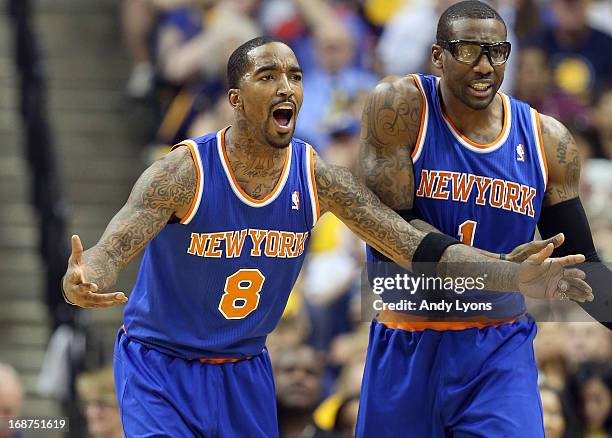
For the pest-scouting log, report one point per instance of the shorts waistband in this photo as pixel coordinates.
(209, 360)
(415, 323)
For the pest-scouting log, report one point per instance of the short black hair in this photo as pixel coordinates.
(238, 62)
(461, 10)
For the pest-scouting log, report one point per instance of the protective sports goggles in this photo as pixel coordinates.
(469, 52)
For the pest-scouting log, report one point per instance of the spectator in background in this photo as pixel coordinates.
(591, 391)
(11, 398)
(331, 88)
(554, 412)
(579, 53)
(603, 119)
(293, 328)
(297, 21)
(298, 373)
(336, 255)
(96, 390)
(549, 352)
(191, 46)
(346, 417)
(586, 341)
(535, 85)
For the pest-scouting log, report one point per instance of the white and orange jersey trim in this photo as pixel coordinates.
(312, 184)
(537, 137)
(418, 147)
(197, 160)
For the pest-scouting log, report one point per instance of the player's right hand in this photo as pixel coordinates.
(544, 277)
(78, 290)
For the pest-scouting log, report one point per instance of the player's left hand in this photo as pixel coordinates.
(544, 277)
(524, 251)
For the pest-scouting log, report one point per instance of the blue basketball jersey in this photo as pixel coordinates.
(215, 284)
(488, 196)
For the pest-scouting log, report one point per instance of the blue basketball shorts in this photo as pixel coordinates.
(455, 383)
(166, 396)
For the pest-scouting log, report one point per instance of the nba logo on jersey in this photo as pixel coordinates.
(520, 152)
(295, 200)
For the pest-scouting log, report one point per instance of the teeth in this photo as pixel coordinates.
(480, 87)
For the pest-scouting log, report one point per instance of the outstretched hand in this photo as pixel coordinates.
(522, 252)
(544, 277)
(78, 290)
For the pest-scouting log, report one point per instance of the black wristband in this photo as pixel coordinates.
(429, 252)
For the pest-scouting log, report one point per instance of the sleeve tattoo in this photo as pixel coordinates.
(563, 162)
(166, 187)
(390, 125)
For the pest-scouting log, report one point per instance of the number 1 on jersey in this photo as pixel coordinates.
(466, 232)
(241, 295)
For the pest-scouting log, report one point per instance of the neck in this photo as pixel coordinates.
(294, 422)
(257, 166)
(240, 140)
(464, 117)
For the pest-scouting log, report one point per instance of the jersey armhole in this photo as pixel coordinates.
(197, 160)
(312, 184)
(418, 146)
(537, 136)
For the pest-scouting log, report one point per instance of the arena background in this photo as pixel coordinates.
(91, 91)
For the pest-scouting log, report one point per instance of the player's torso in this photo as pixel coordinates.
(487, 196)
(217, 284)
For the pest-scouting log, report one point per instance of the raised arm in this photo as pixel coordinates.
(563, 213)
(341, 194)
(164, 190)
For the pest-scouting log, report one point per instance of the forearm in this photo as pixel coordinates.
(99, 268)
(467, 262)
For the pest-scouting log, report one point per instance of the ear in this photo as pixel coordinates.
(234, 98)
(436, 56)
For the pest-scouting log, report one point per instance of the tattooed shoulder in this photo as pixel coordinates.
(169, 184)
(563, 160)
(389, 128)
(392, 113)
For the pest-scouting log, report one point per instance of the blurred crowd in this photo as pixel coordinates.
(560, 64)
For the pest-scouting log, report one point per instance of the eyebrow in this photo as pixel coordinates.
(268, 67)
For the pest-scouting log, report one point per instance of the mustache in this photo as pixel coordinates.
(283, 100)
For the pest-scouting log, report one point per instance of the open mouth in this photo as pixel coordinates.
(282, 116)
(481, 88)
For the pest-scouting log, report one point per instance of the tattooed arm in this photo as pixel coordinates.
(165, 189)
(341, 194)
(563, 162)
(563, 212)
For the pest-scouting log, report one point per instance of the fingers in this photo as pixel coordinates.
(569, 260)
(577, 289)
(556, 240)
(85, 296)
(77, 249)
(573, 272)
(92, 299)
(539, 257)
